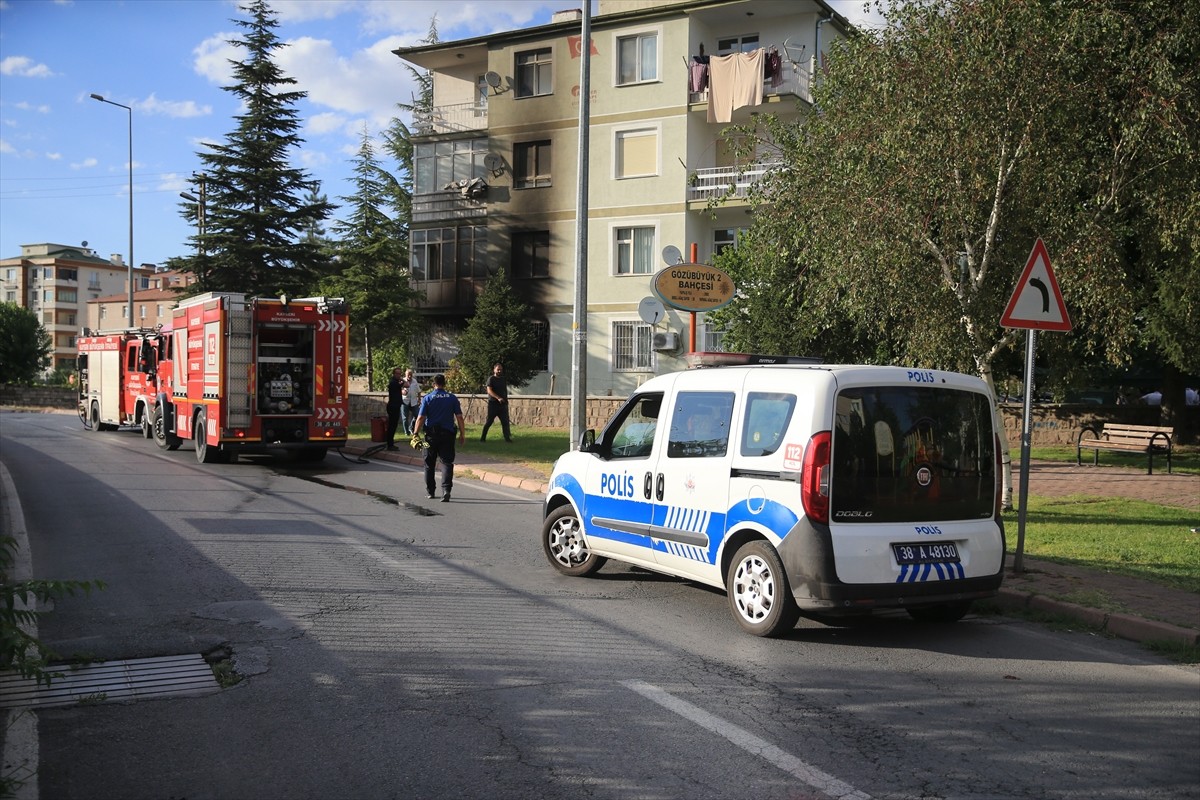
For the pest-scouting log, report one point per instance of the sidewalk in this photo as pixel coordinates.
(1128, 608)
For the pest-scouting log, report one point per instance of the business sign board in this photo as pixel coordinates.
(694, 287)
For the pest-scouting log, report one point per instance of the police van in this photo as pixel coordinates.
(822, 490)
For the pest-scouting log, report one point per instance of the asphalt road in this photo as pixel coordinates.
(395, 647)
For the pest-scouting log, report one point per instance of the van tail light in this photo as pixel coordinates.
(999, 478)
(814, 480)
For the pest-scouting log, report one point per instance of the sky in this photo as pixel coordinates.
(64, 157)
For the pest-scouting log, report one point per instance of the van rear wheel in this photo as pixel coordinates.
(759, 595)
(562, 541)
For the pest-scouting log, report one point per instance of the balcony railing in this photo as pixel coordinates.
(728, 182)
(796, 81)
(451, 118)
(447, 204)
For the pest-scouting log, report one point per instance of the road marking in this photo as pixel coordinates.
(812, 776)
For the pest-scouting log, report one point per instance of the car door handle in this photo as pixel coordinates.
(647, 485)
(658, 487)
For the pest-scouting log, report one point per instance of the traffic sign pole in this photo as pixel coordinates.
(1026, 441)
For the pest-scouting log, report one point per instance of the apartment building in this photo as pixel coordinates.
(497, 155)
(57, 282)
(158, 293)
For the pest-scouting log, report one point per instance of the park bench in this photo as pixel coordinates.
(1146, 439)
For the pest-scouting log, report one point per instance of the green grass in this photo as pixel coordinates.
(1185, 459)
(1118, 535)
(536, 448)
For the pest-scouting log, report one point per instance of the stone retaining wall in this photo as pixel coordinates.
(1052, 424)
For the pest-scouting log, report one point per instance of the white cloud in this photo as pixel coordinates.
(370, 82)
(454, 20)
(85, 164)
(5, 147)
(312, 158)
(179, 109)
(213, 56)
(24, 106)
(173, 182)
(54, 156)
(306, 10)
(23, 66)
(327, 122)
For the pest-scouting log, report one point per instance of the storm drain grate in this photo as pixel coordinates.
(135, 679)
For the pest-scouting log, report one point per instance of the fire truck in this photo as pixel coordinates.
(118, 377)
(254, 375)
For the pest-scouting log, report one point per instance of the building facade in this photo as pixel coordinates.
(495, 184)
(57, 282)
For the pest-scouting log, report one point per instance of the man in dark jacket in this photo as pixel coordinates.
(394, 405)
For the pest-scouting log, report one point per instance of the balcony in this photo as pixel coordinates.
(726, 183)
(446, 205)
(451, 119)
(797, 82)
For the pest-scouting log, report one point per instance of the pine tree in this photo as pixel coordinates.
(499, 331)
(260, 211)
(373, 254)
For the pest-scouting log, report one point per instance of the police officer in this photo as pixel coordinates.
(437, 416)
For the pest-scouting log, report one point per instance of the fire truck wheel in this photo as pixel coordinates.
(97, 425)
(165, 440)
(205, 453)
(147, 429)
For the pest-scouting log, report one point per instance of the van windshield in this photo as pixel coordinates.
(911, 454)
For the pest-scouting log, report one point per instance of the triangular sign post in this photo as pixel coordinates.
(1037, 302)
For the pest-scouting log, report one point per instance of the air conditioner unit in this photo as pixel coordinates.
(668, 340)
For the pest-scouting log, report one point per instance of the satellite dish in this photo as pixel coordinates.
(493, 161)
(671, 255)
(651, 310)
(492, 79)
(83, 243)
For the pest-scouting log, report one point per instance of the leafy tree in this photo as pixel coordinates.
(499, 331)
(373, 254)
(941, 147)
(260, 213)
(24, 345)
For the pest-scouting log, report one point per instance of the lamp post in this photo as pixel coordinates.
(130, 110)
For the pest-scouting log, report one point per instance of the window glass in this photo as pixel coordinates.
(531, 254)
(737, 44)
(635, 251)
(700, 424)
(911, 454)
(631, 433)
(631, 346)
(767, 417)
(531, 164)
(534, 73)
(637, 58)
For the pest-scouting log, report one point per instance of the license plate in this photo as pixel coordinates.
(926, 553)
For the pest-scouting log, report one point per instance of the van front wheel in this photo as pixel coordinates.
(759, 595)
(562, 541)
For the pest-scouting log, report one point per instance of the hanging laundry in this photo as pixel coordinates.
(734, 81)
(698, 74)
(773, 68)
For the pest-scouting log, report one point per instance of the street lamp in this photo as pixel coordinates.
(130, 110)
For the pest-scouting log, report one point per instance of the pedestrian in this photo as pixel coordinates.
(439, 412)
(497, 404)
(412, 402)
(394, 405)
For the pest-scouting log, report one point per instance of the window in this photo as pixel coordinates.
(68, 296)
(531, 254)
(631, 434)
(431, 254)
(635, 251)
(535, 73)
(531, 164)
(766, 421)
(711, 338)
(48, 295)
(637, 153)
(67, 274)
(637, 58)
(472, 251)
(737, 44)
(436, 164)
(541, 339)
(700, 424)
(71, 319)
(10, 274)
(158, 309)
(631, 346)
(724, 238)
(481, 95)
(103, 311)
(142, 312)
(10, 297)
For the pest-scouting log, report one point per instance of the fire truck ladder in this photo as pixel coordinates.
(241, 357)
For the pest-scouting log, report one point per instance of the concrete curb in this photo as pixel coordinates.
(1123, 626)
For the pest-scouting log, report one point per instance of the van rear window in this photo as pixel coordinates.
(911, 454)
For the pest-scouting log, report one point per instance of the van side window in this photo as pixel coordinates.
(631, 433)
(700, 424)
(767, 418)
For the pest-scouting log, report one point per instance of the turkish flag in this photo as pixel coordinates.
(574, 43)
